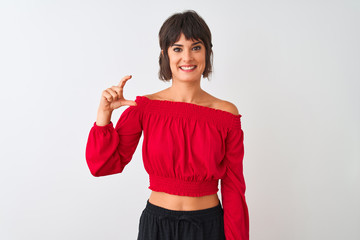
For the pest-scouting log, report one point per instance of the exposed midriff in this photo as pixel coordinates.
(183, 203)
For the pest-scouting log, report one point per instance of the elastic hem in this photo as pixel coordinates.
(183, 188)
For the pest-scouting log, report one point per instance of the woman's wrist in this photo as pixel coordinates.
(103, 117)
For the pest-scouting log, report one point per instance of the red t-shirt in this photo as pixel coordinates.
(186, 149)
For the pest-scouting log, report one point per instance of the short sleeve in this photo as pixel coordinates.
(109, 149)
(236, 216)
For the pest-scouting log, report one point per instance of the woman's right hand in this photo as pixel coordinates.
(113, 98)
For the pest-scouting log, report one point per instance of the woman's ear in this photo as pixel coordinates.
(162, 52)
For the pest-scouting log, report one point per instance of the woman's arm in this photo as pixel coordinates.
(236, 216)
(110, 149)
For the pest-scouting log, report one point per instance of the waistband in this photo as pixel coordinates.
(202, 214)
(195, 217)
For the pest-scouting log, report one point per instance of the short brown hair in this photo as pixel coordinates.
(193, 27)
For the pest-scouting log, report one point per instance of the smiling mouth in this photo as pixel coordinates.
(188, 68)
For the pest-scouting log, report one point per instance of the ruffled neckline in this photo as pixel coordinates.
(172, 104)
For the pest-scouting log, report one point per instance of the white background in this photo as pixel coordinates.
(291, 67)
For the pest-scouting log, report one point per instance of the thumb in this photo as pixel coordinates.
(129, 103)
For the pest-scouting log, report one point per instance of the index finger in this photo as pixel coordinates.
(123, 80)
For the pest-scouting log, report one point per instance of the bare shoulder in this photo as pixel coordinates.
(151, 96)
(156, 95)
(148, 96)
(227, 106)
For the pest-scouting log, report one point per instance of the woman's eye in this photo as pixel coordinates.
(197, 48)
(177, 49)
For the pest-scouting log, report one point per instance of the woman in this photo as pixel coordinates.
(191, 140)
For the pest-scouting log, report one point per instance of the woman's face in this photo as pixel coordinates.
(187, 59)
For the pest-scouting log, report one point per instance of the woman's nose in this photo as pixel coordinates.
(187, 55)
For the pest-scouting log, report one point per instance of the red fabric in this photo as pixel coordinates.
(186, 149)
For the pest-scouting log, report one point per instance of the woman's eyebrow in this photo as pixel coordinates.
(179, 45)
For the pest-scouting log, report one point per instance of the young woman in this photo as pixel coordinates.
(191, 141)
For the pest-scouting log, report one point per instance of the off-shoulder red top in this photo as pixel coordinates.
(186, 149)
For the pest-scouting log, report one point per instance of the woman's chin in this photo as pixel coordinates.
(187, 77)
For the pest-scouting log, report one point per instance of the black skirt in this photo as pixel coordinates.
(157, 223)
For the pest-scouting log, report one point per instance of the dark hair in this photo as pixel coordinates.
(193, 27)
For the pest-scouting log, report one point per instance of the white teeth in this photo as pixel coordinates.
(187, 68)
